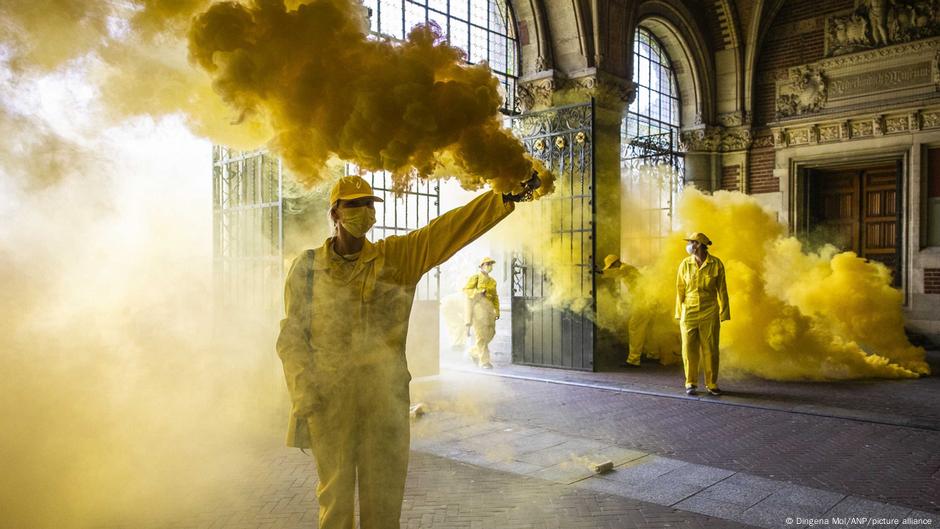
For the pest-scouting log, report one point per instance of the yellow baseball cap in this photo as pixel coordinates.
(610, 260)
(351, 188)
(487, 260)
(700, 238)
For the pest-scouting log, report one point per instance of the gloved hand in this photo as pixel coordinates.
(528, 188)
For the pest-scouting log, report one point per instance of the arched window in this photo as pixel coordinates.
(651, 162)
(484, 29)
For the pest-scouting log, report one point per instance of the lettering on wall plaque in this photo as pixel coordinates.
(900, 77)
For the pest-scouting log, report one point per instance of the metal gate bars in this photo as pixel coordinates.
(553, 299)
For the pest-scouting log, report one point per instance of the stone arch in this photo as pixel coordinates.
(764, 13)
(534, 37)
(685, 43)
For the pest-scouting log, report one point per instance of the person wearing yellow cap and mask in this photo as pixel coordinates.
(638, 321)
(342, 344)
(482, 311)
(701, 306)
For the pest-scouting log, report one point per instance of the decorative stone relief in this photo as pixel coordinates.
(798, 137)
(536, 94)
(829, 133)
(897, 124)
(877, 23)
(930, 120)
(705, 139)
(804, 93)
(878, 125)
(861, 129)
(762, 142)
(736, 139)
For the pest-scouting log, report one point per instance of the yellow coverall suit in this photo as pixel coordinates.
(342, 344)
(483, 313)
(639, 321)
(701, 304)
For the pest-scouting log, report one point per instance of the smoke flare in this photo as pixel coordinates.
(412, 108)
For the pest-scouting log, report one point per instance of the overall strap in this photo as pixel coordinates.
(308, 301)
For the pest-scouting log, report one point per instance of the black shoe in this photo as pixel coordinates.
(691, 391)
(714, 392)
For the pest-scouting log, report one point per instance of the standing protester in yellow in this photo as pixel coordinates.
(638, 322)
(701, 306)
(343, 347)
(482, 312)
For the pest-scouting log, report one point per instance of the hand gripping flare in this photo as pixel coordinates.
(528, 189)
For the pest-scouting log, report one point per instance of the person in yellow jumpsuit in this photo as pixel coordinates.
(342, 344)
(482, 312)
(701, 306)
(638, 321)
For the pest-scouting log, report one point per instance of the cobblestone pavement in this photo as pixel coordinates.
(497, 452)
(441, 493)
(853, 456)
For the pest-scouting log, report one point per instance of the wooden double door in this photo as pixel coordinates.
(859, 209)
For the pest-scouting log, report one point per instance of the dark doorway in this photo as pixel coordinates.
(858, 209)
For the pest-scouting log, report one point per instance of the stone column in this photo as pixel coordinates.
(611, 96)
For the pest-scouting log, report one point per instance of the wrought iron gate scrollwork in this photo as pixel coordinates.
(547, 334)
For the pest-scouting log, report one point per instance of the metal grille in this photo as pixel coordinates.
(398, 215)
(652, 166)
(553, 328)
(248, 234)
(483, 29)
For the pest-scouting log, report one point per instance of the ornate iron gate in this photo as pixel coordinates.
(652, 169)
(549, 327)
(248, 230)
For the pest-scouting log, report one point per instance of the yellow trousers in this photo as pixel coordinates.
(362, 430)
(700, 342)
(484, 329)
(638, 326)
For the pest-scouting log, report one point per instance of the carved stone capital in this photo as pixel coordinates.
(703, 139)
(535, 94)
(735, 139)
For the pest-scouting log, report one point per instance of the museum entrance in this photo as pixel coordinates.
(858, 209)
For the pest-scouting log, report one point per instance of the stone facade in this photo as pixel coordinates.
(765, 88)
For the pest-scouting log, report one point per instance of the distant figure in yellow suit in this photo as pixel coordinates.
(482, 312)
(639, 320)
(343, 347)
(701, 306)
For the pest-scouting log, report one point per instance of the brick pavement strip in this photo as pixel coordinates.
(878, 462)
(718, 492)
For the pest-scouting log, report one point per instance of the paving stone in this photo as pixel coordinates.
(567, 451)
(806, 499)
(854, 507)
(704, 505)
(644, 469)
(735, 490)
(699, 475)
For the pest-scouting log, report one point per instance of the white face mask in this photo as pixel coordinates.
(487, 269)
(689, 249)
(357, 221)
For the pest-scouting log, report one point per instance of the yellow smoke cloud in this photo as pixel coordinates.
(409, 108)
(794, 314)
